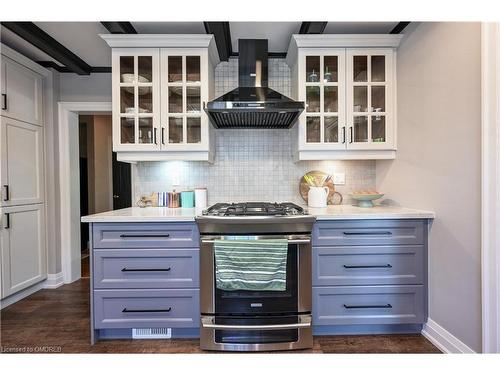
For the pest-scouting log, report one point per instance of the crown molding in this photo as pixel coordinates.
(345, 40)
(164, 41)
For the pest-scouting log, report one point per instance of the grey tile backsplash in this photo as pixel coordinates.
(250, 165)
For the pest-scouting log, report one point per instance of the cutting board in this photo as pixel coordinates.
(320, 176)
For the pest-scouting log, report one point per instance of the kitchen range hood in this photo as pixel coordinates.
(253, 104)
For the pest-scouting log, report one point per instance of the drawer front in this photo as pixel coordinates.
(368, 232)
(369, 305)
(145, 235)
(146, 308)
(368, 265)
(146, 268)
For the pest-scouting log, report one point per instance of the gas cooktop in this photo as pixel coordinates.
(254, 209)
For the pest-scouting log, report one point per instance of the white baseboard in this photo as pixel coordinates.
(443, 339)
(16, 297)
(53, 281)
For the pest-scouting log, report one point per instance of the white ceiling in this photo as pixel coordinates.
(82, 38)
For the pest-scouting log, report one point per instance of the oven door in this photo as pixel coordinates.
(256, 333)
(296, 298)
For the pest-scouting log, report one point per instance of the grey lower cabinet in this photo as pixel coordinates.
(369, 276)
(144, 275)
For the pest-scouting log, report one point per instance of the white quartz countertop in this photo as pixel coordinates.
(342, 212)
(349, 212)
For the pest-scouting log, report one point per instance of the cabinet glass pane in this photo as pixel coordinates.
(360, 68)
(193, 69)
(312, 99)
(127, 130)
(331, 131)
(193, 130)
(145, 99)
(145, 67)
(378, 98)
(175, 99)
(146, 130)
(175, 69)
(313, 132)
(127, 102)
(360, 103)
(360, 129)
(378, 68)
(175, 130)
(193, 100)
(312, 68)
(331, 99)
(378, 128)
(127, 69)
(330, 73)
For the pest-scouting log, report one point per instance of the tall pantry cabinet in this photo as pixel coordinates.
(22, 197)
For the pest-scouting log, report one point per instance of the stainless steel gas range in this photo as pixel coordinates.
(255, 277)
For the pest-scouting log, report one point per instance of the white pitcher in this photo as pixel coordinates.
(317, 196)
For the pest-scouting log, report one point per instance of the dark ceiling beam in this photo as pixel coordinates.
(399, 27)
(222, 35)
(63, 69)
(312, 27)
(44, 42)
(119, 27)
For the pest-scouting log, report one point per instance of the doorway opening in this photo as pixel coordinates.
(105, 183)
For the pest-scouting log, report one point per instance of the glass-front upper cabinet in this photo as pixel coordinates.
(136, 99)
(323, 82)
(370, 98)
(183, 93)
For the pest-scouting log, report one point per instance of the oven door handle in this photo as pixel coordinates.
(293, 241)
(208, 322)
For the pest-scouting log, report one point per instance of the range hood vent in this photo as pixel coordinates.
(253, 104)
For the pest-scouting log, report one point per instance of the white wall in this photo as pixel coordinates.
(92, 88)
(438, 165)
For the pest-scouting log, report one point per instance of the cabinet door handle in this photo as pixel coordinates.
(144, 235)
(7, 193)
(343, 134)
(162, 136)
(385, 233)
(154, 136)
(125, 310)
(387, 306)
(352, 135)
(145, 269)
(7, 221)
(4, 102)
(368, 266)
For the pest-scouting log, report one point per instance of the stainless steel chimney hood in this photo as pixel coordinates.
(253, 104)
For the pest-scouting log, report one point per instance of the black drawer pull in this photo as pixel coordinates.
(4, 102)
(368, 233)
(145, 269)
(7, 193)
(144, 235)
(125, 310)
(7, 219)
(388, 306)
(370, 266)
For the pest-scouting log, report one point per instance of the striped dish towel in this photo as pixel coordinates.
(251, 264)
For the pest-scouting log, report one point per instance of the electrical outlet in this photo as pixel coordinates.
(339, 178)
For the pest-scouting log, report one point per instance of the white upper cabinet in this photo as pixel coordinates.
(21, 90)
(347, 83)
(160, 86)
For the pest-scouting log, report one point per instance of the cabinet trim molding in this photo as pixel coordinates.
(164, 41)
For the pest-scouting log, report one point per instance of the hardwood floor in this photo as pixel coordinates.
(57, 320)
